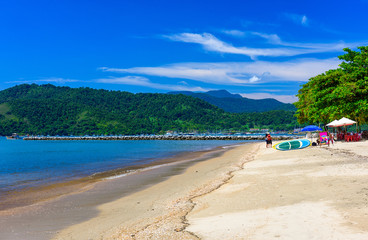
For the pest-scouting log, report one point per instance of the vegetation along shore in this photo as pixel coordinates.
(50, 110)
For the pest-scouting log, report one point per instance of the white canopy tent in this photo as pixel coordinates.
(344, 122)
(332, 124)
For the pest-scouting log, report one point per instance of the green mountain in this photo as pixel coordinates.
(238, 104)
(47, 109)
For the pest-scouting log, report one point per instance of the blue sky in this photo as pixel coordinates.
(258, 49)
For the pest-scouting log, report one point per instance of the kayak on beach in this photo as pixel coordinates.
(292, 145)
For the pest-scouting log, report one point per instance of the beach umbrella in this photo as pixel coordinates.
(332, 124)
(344, 122)
(311, 128)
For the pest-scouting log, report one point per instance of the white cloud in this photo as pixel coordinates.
(145, 82)
(313, 47)
(272, 38)
(47, 80)
(238, 73)
(296, 70)
(304, 20)
(281, 98)
(211, 43)
(129, 80)
(203, 72)
(297, 18)
(254, 79)
(234, 33)
(183, 82)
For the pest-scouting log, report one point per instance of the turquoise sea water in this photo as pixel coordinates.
(25, 164)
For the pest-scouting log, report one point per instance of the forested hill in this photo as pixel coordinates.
(47, 109)
(238, 104)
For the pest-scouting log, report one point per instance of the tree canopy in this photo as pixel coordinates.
(337, 93)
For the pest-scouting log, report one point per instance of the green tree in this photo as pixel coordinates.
(337, 93)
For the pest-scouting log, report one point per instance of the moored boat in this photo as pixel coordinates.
(14, 136)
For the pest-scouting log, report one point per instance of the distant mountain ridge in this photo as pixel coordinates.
(236, 103)
(223, 94)
(50, 110)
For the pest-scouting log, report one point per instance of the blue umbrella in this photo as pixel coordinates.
(311, 128)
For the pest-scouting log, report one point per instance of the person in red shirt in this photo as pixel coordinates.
(268, 141)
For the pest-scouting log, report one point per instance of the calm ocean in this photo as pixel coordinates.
(25, 164)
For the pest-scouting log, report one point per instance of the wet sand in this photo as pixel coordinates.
(41, 213)
(160, 211)
(25, 197)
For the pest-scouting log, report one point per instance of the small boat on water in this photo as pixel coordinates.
(14, 136)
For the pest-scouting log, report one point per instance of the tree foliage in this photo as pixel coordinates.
(50, 110)
(337, 93)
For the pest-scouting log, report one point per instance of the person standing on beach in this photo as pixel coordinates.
(330, 138)
(268, 141)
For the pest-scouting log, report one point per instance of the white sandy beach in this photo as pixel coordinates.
(250, 192)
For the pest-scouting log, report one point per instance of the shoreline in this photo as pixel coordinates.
(105, 183)
(25, 197)
(163, 206)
